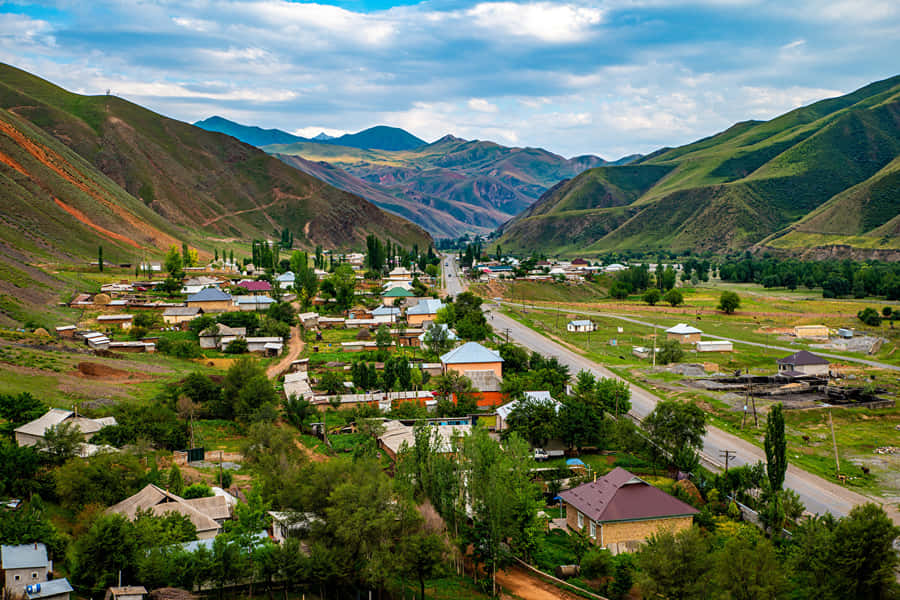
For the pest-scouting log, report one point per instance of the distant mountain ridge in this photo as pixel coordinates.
(450, 187)
(820, 180)
(380, 137)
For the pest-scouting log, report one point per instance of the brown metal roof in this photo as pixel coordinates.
(803, 357)
(622, 496)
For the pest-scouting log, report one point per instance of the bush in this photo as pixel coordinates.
(179, 348)
(137, 332)
(670, 352)
(619, 290)
(869, 316)
(197, 490)
(236, 346)
(596, 564)
(651, 296)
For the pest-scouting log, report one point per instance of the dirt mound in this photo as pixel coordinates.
(98, 371)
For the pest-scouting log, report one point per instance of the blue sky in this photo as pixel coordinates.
(576, 77)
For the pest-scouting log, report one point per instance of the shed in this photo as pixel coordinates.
(177, 315)
(128, 592)
(715, 346)
(684, 333)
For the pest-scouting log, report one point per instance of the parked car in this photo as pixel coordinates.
(541, 455)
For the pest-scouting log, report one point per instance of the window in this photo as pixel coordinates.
(593, 529)
(580, 520)
(15, 577)
(34, 575)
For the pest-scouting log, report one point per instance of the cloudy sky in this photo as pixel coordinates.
(609, 77)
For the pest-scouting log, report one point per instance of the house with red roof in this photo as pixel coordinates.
(620, 510)
(256, 287)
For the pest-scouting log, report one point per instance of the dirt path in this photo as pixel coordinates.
(523, 585)
(295, 347)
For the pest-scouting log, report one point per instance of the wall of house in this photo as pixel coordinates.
(17, 588)
(812, 369)
(416, 320)
(177, 320)
(496, 367)
(690, 338)
(24, 439)
(217, 306)
(638, 531)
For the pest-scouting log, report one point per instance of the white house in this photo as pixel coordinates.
(581, 325)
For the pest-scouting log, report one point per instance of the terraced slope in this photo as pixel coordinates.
(819, 179)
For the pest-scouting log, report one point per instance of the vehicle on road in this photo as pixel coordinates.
(541, 455)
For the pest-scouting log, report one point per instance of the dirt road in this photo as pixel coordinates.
(521, 584)
(295, 347)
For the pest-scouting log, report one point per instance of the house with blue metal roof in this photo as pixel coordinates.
(472, 356)
(425, 310)
(211, 299)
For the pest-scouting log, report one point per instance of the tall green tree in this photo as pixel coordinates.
(776, 448)
(677, 428)
(100, 257)
(676, 566)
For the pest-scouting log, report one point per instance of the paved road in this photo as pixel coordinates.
(817, 494)
(863, 361)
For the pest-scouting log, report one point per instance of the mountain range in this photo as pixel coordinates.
(820, 180)
(380, 137)
(78, 172)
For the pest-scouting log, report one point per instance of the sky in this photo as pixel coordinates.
(609, 78)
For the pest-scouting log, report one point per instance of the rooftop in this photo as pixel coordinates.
(210, 294)
(683, 329)
(398, 292)
(471, 352)
(54, 587)
(23, 556)
(429, 306)
(622, 496)
(255, 286)
(802, 358)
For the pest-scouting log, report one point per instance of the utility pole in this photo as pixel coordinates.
(727, 455)
(654, 345)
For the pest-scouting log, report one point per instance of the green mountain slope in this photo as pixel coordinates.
(255, 136)
(459, 186)
(786, 184)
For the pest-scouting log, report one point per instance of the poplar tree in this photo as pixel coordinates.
(776, 448)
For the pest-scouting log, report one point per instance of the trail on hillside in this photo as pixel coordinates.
(295, 347)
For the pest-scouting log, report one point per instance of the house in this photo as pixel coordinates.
(196, 284)
(291, 524)
(400, 274)
(176, 315)
(66, 331)
(33, 433)
(684, 333)
(268, 345)
(803, 362)
(811, 332)
(23, 565)
(152, 267)
(55, 589)
(385, 314)
(121, 321)
(396, 435)
(128, 592)
(425, 310)
(219, 336)
(256, 287)
(614, 268)
(715, 346)
(395, 295)
(286, 279)
(207, 514)
(581, 325)
(255, 303)
(472, 356)
(381, 400)
(297, 385)
(332, 322)
(211, 300)
(489, 387)
(620, 510)
(408, 337)
(504, 411)
(309, 320)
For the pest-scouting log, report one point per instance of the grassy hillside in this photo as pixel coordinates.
(450, 187)
(205, 184)
(817, 177)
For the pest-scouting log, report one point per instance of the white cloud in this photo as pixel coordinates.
(313, 131)
(543, 21)
(481, 105)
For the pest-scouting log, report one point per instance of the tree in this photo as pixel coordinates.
(614, 395)
(437, 338)
(862, 553)
(383, 340)
(747, 568)
(869, 316)
(676, 566)
(729, 302)
(534, 420)
(651, 296)
(670, 352)
(173, 263)
(677, 427)
(776, 448)
(342, 284)
(237, 346)
(247, 393)
(423, 556)
(331, 382)
(100, 257)
(580, 424)
(299, 411)
(174, 482)
(105, 478)
(674, 297)
(619, 290)
(61, 442)
(16, 410)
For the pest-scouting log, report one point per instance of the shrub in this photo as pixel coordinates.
(674, 297)
(729, 302)
(197, 490)
(236, 346)
(670, 352)
(651, 296)
(869, 316)
(596, 564)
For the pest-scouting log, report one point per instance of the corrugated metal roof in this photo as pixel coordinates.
(802, 358)
(683, 329)
(182, 311)
(23, 556)
(51, 418)
(429, 306)
(471, 352)
(621, 496)
(210, 294)
(54, 587)
(507, 408)
(398, 292)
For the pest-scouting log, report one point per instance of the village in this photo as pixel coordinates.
(346, 367)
